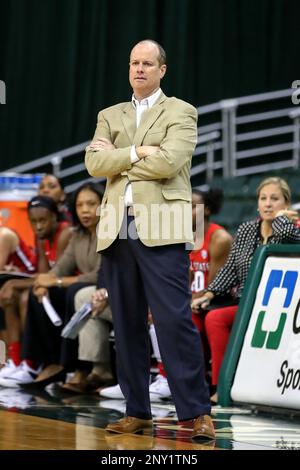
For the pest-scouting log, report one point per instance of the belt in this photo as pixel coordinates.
(130, 211)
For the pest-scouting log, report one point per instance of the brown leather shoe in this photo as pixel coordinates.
(74, 388)
(77, 383)
(82, 382)
(130, 424)
(94, 381)
(203, 429)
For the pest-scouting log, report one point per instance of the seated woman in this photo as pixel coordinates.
(77, 268)
(94, 344)
(52, 187)
(15, 254)
(276, 224)
(52, 238)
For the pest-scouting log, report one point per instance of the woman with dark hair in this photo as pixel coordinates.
(52, 238)
(51, 186)
(208, 258)
(85, 201)
(15, 254)
(77, 268)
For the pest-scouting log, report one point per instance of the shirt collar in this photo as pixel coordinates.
(149, 101)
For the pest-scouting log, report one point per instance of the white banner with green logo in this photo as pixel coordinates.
(268, 370)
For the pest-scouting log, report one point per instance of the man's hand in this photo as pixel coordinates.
(99, 302)
(146, 150)
(100, 144)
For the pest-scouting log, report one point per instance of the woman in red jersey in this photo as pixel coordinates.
(52, 238)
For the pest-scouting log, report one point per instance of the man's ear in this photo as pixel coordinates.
(163, 69)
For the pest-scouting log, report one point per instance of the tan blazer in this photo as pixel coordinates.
(79, 256)
(160, 183)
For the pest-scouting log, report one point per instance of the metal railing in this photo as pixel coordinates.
(235, 127)
(52, 163)
(229, 141)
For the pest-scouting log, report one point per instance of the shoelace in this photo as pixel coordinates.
(23, 367)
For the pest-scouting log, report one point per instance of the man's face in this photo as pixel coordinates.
(145, 73)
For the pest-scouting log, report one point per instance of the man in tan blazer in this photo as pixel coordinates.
(144, 148)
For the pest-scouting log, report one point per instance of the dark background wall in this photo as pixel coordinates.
(63, 60)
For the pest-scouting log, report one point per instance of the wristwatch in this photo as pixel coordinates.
(59, 282)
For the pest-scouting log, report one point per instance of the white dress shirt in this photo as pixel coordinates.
(140, 107)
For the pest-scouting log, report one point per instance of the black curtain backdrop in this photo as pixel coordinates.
(64, 60)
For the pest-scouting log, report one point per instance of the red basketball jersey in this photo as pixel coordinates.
(200, 259)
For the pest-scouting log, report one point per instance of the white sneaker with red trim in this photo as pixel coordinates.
(22, 375)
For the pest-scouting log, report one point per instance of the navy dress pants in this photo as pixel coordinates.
(138, 277)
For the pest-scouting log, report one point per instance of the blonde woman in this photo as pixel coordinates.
(275, 224)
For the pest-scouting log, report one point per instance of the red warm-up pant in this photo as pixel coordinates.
(198, 321)
(218, 324)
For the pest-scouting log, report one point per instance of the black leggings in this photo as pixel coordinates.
(42, 341)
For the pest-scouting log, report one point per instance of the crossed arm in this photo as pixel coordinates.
(104, 144)
(154, 162)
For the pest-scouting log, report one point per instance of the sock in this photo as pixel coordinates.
(161, 369)
(14, 352)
